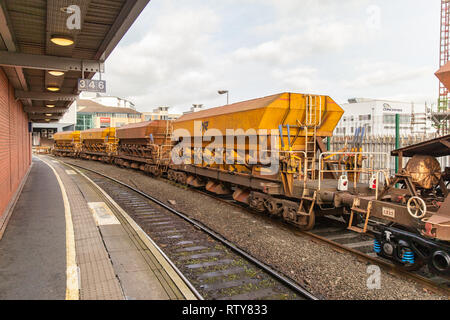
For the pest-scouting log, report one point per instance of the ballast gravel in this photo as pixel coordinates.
(327, 273)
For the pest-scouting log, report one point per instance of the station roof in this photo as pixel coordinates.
(438, 147)
(27, 52)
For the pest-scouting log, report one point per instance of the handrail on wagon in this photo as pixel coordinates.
(355, 170)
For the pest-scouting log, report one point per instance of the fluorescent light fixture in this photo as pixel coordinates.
(63, 41)
(50, 105)
(56, 73)
(48, 114)
(53, 88)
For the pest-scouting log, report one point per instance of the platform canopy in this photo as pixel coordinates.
(439, 147)
(28, 30)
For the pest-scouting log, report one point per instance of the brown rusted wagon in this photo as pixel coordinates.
(145, 146)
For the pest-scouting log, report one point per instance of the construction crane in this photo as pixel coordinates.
(442, 116)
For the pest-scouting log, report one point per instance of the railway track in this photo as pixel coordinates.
(216, 268)
(331, 231)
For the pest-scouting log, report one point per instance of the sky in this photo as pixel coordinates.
(181, 52)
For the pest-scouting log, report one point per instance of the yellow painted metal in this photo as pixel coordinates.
(107, 135)
(67, 136)
(246, 119)
(267, 113)
(102, 140)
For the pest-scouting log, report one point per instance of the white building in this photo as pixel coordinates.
(111, 101)
(378, 117)
(160, 113)
(43, 132)
(195, 108)
(108, 101)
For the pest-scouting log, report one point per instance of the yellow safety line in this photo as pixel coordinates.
(151, 245)
(72, 283)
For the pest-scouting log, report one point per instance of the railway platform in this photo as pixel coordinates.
(66, 239)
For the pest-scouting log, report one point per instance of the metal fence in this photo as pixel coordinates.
(385, 144)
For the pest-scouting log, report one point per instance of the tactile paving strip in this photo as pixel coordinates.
(97, 277)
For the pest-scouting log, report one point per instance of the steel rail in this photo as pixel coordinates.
(389, 267)
(283, 279)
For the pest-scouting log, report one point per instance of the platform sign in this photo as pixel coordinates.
(92, 85)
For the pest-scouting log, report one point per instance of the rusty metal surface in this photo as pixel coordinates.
(143, 130)
(425, 171)
(443, 74)
(438, 147)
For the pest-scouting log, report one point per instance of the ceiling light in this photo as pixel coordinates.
(56, 73)
(47, 119)
(62, 40)
(48, 114)
(53, 88)
(50, 105)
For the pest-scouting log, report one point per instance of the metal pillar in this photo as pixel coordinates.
(397, 139)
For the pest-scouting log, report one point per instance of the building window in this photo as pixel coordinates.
(390, 119)
(365, 117)
(84, 122)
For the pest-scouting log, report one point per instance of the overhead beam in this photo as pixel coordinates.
(8, 39)
(5, 29)
(130, 11)
(45, 62)
(445, 143)
(38, 117)
(45, 110)
(45, 96)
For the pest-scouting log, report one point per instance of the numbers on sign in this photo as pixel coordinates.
(92, 85)
(82, 84)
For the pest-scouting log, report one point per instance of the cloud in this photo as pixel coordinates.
(170, 64)
(381, 74)
(187, 50)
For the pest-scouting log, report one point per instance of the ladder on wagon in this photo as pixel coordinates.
(313, 121)
(310, 125)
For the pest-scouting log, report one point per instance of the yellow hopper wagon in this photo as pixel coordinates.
(265, 153)
(99, 144)
(67, 144)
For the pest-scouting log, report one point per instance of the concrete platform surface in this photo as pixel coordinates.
(36, 250)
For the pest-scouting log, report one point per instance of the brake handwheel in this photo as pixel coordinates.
(417, 208)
